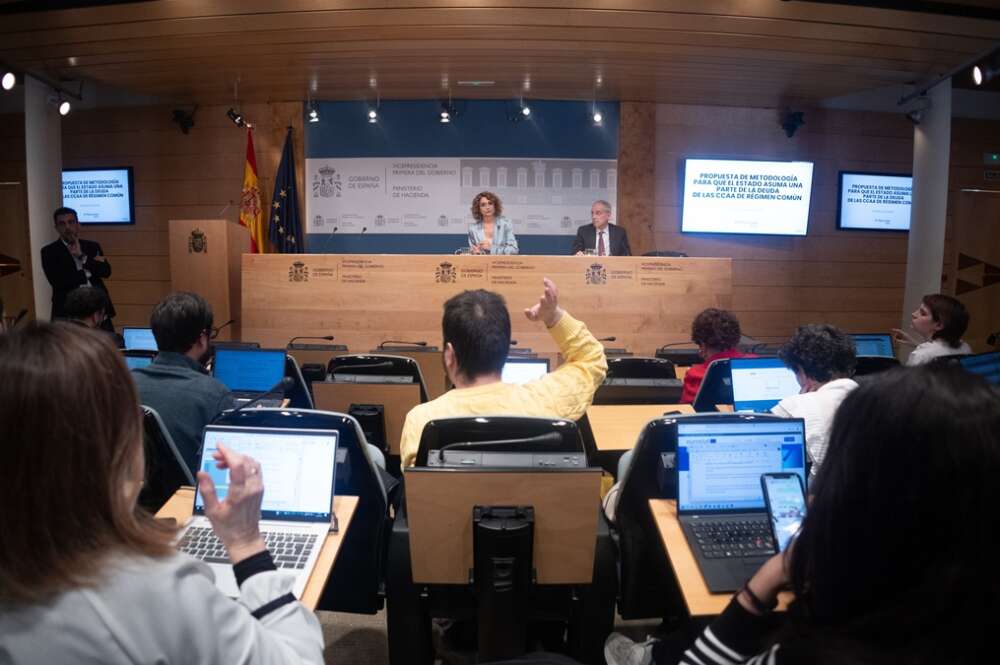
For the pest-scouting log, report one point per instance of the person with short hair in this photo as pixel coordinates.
(476, 334)
(87, 306)
(69, 262)
(491, 233)
(86, 576)
(176, 383)
(823, 360)
(893, 563)
(939, 323)
(600, 236)
(717, 334)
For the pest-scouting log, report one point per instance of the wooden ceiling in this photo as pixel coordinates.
(733, 52)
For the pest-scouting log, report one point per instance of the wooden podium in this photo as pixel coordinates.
(205, 257)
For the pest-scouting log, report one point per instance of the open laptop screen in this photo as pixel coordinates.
(719, 463)
(297, 466)
(986, 365)
(877, 345)
(760, 383)
(139, 339)
(523, 370)
(249, 370)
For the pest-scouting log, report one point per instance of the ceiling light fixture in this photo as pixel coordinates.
(65, 107)
(9, 80)
(373, 110)
(448, 111)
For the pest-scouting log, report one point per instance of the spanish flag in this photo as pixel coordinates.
(251, 214)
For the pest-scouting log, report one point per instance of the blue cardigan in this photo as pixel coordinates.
(504, 241)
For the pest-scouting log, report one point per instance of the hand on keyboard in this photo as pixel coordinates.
(236, 519)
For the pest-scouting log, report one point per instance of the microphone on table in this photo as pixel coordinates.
(328, 338)
(612, 338)
(513, 342)
(400, 341)
(286, 383)
(216, 331)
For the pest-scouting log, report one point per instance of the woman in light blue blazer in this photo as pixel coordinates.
(490, 233)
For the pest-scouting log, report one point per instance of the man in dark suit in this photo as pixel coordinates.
(599, 236)
(70, 262)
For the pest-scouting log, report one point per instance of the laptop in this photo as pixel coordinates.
(986, 365)
(298, 467)
(138, 362)
(720, 504)
(139, 339)
(876, 345)
(249, 373)
(523, 370)
(760, 383)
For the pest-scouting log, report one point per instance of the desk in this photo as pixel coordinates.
(699, 600)
(617, 426)
(179, 508)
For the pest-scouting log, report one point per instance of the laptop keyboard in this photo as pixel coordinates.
(289, 550)
(739, 538)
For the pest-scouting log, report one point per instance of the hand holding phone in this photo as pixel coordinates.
(786, 506)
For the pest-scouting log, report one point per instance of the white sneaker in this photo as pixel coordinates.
(620, 650)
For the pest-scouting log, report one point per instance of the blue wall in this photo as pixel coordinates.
(481, 129)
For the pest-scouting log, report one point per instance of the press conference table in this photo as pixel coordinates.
(699, 600)
(179, 508)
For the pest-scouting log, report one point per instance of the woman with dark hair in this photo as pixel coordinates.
(823, 359)
(717, 334)
(939, 323)
(490, 233)
(895, 560)
(85, 576)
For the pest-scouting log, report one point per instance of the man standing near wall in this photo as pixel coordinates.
(70, 262)
(603, 238)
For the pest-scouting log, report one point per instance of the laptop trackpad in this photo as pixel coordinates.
(751, 565)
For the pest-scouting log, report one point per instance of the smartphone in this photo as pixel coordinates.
(786, 506)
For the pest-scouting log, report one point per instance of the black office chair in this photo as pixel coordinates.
(868, 365)
(716, 387)
(357, 581)
(376, 364)
(299, 394)
(639, 380)
(682, 356)
(647, 587)
(588, 609)
(166, 468)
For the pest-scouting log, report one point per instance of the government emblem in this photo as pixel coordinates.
(379, 220)
(197, 242)
(298, 272)
(326, 183)
(597, 274)
(442, 220)
(445, 273)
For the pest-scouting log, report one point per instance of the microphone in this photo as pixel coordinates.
(547, 440)
(363, 229)
(328, 338)
(216, 331)
(398, 341)
(688, 343)
(612, 338)
(17, 319)
(992, 340)
(513, 342)
(286, 383)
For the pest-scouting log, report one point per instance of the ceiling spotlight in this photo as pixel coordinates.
(8, 81)
(445, 116)
(448, 111)
(525, 111)
(983, 74)
(313, 115)
(372, 116)
(64, 108)
(236, 117)
(598, 118)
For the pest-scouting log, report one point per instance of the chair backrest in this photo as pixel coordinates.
(639, 367)
(716, 387)
(682, 356)
(166, 469)
(356, 582)
(647, 587)
(377, 364)
(874, 364)
(501, 434)
(299, 396)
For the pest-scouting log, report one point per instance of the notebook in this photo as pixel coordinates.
(720, 504)
(985, 364)
(298, 468)
(878, 345)
(249, 373)
(523, 370)
(760, 383)
(139, 339)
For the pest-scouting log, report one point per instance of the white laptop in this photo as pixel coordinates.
(298, 467)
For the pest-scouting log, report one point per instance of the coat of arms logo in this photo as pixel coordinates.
(298, 272)
(445, 273)
(197, 242)
(379, 220)
(597, 274)
(442, 220)
(566, 222)
(326, 182)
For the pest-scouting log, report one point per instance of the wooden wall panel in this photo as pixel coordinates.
(177, 176)
(850, 278)
(636, 173)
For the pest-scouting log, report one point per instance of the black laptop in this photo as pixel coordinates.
(720, 504)
(250, 373)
